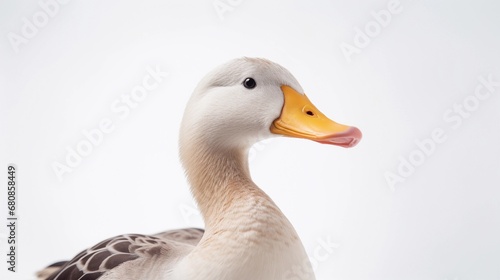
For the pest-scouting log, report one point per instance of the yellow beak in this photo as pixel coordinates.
(300, 118)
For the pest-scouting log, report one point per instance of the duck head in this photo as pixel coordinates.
(249, 99)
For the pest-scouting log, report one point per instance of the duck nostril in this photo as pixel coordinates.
(310, 113)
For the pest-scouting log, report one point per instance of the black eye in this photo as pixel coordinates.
(249, 83)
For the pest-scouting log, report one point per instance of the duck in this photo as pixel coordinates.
(246, 235)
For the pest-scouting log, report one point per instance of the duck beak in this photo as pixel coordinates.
(300, 118)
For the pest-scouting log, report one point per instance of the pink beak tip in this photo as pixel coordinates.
(346, 139)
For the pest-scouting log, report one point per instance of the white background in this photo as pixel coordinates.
(442, 222)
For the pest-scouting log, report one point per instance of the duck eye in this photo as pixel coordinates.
(249, 83)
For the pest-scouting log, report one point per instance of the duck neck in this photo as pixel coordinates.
(244, 229)
(221, 184)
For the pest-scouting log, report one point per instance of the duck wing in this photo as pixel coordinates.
(92, 263)
(191, 236)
